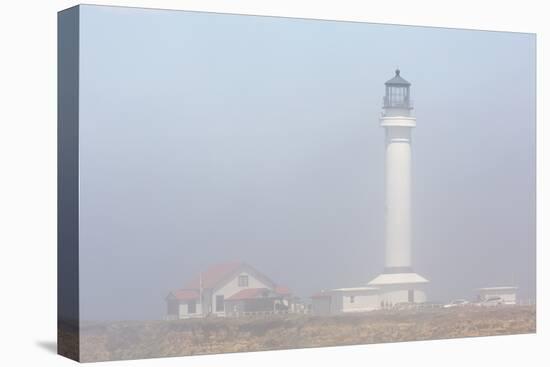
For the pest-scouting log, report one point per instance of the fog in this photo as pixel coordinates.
(207, 138)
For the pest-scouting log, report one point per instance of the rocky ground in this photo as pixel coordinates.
(147, 339)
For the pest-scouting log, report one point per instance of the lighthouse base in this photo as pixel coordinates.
(396, 288)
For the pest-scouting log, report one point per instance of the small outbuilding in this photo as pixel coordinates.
(345, 300)
(507, 295)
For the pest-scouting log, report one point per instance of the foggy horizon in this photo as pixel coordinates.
(207, 138)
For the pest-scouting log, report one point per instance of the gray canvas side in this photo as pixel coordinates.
(67, 183)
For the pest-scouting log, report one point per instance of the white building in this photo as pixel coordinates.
(506, 295)
(228, 289)
(398, 282)
(345, 300)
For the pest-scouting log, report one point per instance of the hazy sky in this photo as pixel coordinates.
(206, 138)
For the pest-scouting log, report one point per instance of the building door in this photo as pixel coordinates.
(411, 295)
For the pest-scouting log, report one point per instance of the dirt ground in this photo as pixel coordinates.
(149, 339)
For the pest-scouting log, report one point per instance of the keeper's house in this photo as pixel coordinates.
(228, 289)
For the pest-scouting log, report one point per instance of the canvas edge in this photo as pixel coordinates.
(68, 315)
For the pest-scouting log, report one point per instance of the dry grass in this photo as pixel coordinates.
(148, 339)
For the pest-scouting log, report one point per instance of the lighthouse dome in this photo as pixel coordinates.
(397, 79)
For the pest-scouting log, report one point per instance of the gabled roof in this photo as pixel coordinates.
(218, 274)
(185, 294)
(397, 79)
(214, 275)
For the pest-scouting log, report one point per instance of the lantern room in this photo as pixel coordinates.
(397, 93)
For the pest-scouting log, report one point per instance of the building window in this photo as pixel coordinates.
(351, 299)
(192, 307)
(219, 303)
(243, 280)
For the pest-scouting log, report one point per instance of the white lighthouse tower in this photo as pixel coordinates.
(398, 282)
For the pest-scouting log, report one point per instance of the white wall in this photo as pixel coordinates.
(232, 287)
(362, 302)
(398, 193)
(399, 294)
(184, 311)
(340, 302)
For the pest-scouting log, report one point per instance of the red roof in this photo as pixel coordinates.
(282, 290)
(214, 275)
(249, 293)
(186, 294)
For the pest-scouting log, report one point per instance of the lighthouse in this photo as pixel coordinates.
(398, 281)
